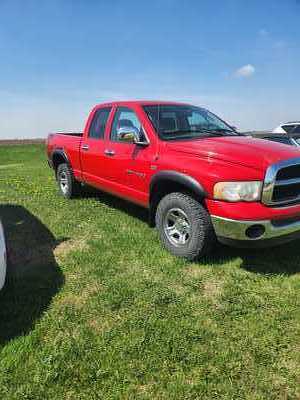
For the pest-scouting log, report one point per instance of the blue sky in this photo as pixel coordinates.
(239, 58)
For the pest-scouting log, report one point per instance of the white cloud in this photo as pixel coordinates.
(245, 71)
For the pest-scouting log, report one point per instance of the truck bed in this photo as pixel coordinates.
(78, 134)
(69, 143)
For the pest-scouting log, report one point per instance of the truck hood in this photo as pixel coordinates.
(246, 151)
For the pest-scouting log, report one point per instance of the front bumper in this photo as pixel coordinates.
(261, 233)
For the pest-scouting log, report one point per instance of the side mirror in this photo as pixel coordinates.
(130, 134)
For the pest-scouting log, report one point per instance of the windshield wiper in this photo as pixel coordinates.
(177, 131)
(202, 130)
(183, 133)
(217, 132)
(224, 130)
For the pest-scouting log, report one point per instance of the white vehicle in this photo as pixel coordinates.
(3, 257)
(288, 127)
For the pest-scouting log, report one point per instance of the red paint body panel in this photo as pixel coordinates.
(250, 211)
(71, 146)
(208, 160)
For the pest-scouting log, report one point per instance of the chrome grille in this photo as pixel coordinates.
(282, 183)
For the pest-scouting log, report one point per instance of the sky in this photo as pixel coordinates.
(58, 58)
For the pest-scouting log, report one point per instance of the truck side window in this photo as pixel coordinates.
(97, 127)
(125, 117)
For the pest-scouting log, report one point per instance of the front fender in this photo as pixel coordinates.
(178, 177)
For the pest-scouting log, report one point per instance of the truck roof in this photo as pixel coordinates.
(139, 102)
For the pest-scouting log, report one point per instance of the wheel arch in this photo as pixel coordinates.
(165, 182)
(58, 157)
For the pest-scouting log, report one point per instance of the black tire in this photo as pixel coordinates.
(194, 224)
(67, 185)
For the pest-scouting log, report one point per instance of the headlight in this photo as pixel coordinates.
(238, 191)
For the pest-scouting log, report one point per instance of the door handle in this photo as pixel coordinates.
(85, 147)
(109, 152)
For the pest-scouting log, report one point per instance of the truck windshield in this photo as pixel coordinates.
(174, 122)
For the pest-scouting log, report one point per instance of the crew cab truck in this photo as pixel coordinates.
(200, 179)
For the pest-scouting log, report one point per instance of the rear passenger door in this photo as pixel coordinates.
(93, 158)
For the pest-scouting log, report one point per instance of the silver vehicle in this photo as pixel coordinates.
(288, 133)
(289, 128)
(3, 257)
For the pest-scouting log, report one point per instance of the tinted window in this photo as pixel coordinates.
(184, 121)
(297, 129)
(98, 124)
(288, 128)
(125, 117)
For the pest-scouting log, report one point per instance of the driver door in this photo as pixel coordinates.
(119, 153)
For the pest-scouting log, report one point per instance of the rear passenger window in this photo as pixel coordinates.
(98, 124)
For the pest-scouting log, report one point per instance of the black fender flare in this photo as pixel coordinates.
(174, 177)
(178, 177)
(61, 153)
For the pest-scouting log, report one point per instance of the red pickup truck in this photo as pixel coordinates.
(200, 179)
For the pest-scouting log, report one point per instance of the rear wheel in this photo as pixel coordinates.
(67, 185)
(184, 226)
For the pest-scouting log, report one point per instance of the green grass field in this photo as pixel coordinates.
(94, 307)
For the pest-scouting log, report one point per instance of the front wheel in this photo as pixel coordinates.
(67, 185)
(184, 226)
